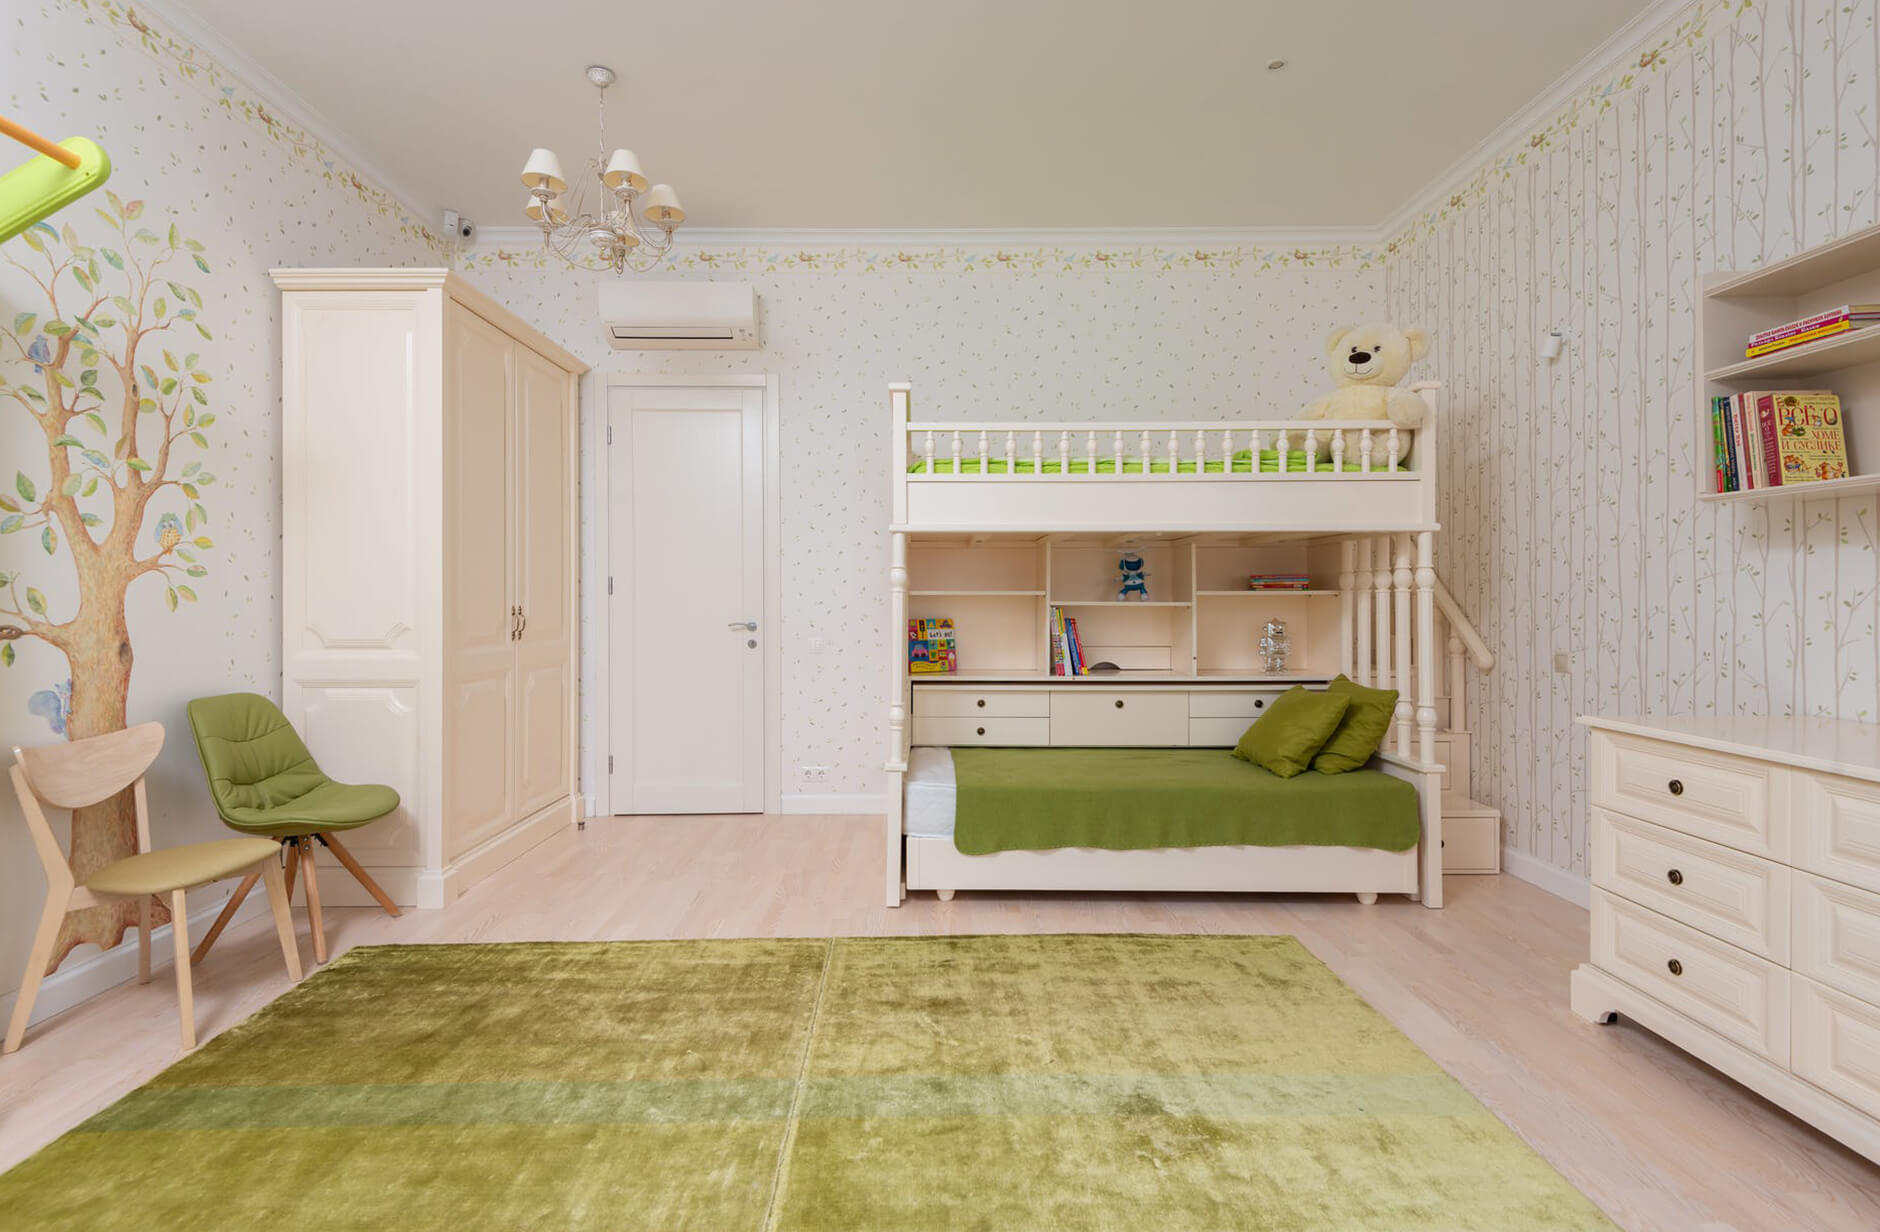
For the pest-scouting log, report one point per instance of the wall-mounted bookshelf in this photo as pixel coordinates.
(1200, 622)
(1735, 306)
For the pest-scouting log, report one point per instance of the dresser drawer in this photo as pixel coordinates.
(1837, 1045)
(1472, 843)
(1739, 996)
(953, 701)
(962, 731)
(1243, 704)
(1837, 936)
(1119, 717)
(1217, 733)
(1839, 831)
(1742, 899)
(1729, 800)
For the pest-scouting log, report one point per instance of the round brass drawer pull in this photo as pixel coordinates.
(982, 731)
(1675, 967)
(1675, 787)
(1119, 703)
(1675, 877)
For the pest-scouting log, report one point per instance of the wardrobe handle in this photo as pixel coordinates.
(1675, 877)
(524, 626)
(514, 613)
(1675, 787)
(1675, 967)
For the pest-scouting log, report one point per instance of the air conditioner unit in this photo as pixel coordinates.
(679, 316)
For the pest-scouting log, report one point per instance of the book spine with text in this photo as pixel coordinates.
(1771, 450)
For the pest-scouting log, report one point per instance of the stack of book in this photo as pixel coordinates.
(1810, 329)
(930, 647)
(1278, 581)
(1771, 438)
(1067, 649)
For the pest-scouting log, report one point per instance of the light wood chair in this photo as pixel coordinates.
(83, 772)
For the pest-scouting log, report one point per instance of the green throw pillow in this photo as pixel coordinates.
(1294, 727)
(1367, 721)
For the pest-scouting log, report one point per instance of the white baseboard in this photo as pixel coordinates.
(1560, 882)
(834, 802)
(442, 888)
(102, 971)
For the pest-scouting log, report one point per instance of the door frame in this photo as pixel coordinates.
(596, 599)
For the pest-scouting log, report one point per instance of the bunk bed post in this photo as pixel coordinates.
(1347, 555)
(1380, 640)
(1426, 646)
(1361, 612)
(897, 709)
(899, 395)
(1401, 578)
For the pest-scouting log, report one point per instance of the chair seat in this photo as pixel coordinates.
(179, 868)
(330, 806)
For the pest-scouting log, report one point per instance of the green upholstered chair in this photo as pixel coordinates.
(265, 782)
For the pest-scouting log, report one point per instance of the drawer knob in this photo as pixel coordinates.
(981, 703)
(1675, 967)
(1675, 877)
(1119, 703)
(980, 730)
(1259, 703)
(1675, 787)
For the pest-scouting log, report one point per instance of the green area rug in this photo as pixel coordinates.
(854, 1085)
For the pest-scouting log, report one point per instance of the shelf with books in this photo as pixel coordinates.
(1852, 485)
(1818, 358)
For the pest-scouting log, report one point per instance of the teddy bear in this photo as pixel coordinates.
(1367, 361)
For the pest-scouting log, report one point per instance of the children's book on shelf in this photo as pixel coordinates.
(931, 649)
(1772, 438)
(1278, 581)
(1810, 329)
(1067, 648)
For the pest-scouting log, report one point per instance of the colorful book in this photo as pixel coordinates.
(1720, 456)
(1810, 444)
(931, 648)
(1766, 451)
(1805, 337)
(1846, 312)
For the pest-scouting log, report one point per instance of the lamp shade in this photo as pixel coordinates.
(624, 168)
(661, 205)
(543, 170)
(556, 214)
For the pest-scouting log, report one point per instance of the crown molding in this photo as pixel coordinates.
(1540, 110)
(986, 237)
(192, 29)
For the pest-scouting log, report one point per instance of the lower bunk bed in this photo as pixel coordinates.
(1170, 819)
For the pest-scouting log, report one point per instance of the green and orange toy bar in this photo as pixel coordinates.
(59, 174)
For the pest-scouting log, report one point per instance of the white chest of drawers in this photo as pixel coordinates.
(1736, 903)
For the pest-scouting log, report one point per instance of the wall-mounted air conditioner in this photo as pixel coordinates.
(679, 316)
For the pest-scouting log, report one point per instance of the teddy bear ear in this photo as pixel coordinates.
(1335, 337)
(1419, 340)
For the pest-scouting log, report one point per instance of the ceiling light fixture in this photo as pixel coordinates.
(622, 236)
(1273, 66)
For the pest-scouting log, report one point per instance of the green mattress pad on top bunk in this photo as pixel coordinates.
(1029, 799)
(1269, 462)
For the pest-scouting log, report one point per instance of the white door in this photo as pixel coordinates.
(543, 424)
(686, 538)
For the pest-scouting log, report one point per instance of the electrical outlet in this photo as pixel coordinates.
(1562, 663)
(813, 774)
(817, 645)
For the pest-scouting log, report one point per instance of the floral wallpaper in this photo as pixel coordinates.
(206, 178)
(1738, 135)
(1060, 334)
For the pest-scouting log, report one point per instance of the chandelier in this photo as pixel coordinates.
(631, 224)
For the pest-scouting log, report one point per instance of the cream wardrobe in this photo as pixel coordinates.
(429, 565)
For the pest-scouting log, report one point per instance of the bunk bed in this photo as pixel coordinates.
(997, 525)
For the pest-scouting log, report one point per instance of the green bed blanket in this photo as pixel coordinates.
(1128, 799)
(1269, 463)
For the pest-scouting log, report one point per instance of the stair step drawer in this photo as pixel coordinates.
(1728, 800)
(1217, 733)
(1740, 898)
(1739, 996)
(1837, 1044)
(952, 701)
(964, 731)
(1837, 936)
(1472, 844)
(1119, 717)
(1842, 839)
(1245, 705)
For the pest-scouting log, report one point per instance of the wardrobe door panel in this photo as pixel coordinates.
(479, 658)
(543, 431)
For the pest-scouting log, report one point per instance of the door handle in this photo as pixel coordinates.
(522, 628)
(749, 626)
(515, 613)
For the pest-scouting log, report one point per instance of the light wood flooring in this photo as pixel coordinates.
(1658, 1140)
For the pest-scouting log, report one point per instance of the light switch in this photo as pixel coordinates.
(1562, 663)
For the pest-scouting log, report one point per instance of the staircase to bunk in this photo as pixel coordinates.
(1471, 829)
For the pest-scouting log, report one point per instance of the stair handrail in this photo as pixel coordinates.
(1479, 653)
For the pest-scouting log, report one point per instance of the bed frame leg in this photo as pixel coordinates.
(946, 896)
(1367, 897)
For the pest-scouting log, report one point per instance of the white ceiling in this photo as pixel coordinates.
(930, 113)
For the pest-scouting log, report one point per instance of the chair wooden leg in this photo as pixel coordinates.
(228, 913)
(50, 917)
(364, 878)
(179, 932)
(293, 866)
(143, 939)
(283, 917)
(313, 900)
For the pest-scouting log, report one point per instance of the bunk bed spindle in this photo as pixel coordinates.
(1201, 452)
(1174, 454)
(1364, 450)
(928, 450)
(1338, 450)
(1011, 452)
(1253, 451)
(1312, 451)
(985, 453)
(1117, 447)
(1144, 447)
(1395, 453)
(1401, 579)
(1037, 453)
(957, 472)
(1380, 583)
(1361, 611)
(1227, 451)
(1279, 451)
(1064, 451)
(1090, 454)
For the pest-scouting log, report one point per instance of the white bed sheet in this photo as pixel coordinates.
(932, 793)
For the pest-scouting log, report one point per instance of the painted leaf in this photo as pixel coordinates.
(71, 485)
(27, 490)
(6, 654)
(169, 358)
(67, 440)
(197, 571)
(189, 595)
(91, 485)
(95, 420)
(132, 209)
(170, 598)
(201, 265)
(8, 505)
(24, 322)
(10, 524)
(35, 601)
(49, 540)
(137, 464)
(91, 519)
(203, 541)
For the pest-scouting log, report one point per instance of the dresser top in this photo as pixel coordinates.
(1835, 746)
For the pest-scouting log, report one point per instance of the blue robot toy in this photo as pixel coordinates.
(1134, 578)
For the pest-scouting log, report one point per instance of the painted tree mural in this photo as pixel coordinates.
(102, 359)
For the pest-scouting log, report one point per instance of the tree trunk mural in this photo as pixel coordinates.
(94, 362)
